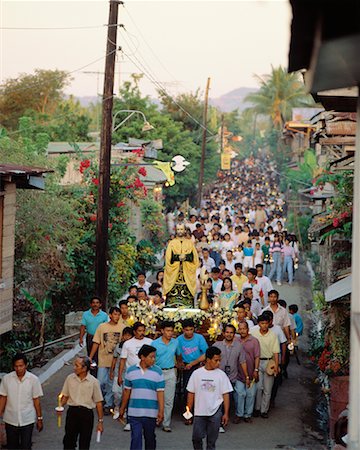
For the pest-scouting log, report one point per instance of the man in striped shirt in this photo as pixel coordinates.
(144, 391)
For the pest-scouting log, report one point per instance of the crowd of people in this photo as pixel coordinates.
(243, 243)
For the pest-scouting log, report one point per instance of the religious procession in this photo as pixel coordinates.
(179, 225)
(208, 334)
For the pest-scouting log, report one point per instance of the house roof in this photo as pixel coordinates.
(325, 39)
(339, 289)
(25, 177)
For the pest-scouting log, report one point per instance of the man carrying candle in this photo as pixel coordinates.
(209, 389)
(20, 393)
(82, 393)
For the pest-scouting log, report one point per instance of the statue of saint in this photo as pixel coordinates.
(181, 262)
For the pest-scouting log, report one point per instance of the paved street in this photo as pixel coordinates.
(290, 425)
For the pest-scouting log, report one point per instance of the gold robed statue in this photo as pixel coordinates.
(181, 262)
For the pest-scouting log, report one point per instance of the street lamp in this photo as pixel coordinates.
(102, 223)
(147, 126)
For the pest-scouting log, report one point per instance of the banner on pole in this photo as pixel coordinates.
(225, 161)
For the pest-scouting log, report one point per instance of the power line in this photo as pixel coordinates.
(31, 85)
(164, 91)
(11, 133)
(91, 27)
(147, 44)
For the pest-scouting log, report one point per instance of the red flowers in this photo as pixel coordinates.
(138, 183)
(344, 215)
(85, 164)
(93, 217)
(142, 171)
(81, 219)
(95, 181)
(120, 204)
(336, 222)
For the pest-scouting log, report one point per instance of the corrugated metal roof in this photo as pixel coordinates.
(18, 170)
(338, 289)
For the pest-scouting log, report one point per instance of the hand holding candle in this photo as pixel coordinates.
(187, 415)
(59, 409)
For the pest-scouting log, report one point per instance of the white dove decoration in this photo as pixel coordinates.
(179, 163)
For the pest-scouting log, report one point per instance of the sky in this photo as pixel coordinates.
(176, 44)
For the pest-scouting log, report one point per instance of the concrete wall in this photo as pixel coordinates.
(8, 252)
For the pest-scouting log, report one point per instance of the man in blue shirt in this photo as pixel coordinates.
(144, 391)
(91, 319)
(192, 347)
(166, 351)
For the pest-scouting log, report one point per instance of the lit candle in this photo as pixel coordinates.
(59, 410)
(187, 409)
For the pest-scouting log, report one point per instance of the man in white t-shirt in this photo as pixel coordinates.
(209, 388)
(264, 283)
(130, 349)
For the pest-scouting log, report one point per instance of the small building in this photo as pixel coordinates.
(12, 177)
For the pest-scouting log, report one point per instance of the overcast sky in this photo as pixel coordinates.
(178, 44)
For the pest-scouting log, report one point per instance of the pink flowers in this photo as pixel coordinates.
(142, 171)
(336, 222)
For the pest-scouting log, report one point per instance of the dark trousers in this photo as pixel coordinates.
(206, 426)
(186, 374)
(142, 426)
(79, 424)
(89, 342)
(19, 437)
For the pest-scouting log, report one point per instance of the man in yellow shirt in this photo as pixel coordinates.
(269, 350)
(238, 278)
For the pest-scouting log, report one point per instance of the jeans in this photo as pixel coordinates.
(169, 394)
(245, 399)
(206, 426)
(106, 386)
(264, 387)
(79, 424)
(140, 426)
(276, 266)
(288, 266)
(216, 257)
(267, 267)
(19, 437)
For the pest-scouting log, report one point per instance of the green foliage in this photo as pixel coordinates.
(153, 221)
(279, 92)
(303, 220)
(146, 257)
(40, 92)
(179, 133)
(39, 306)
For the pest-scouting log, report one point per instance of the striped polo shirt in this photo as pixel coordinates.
(144, 385)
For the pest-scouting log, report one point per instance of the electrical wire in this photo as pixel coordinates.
(162, 89)
(147, 44)
(91, 27)
(11, 133)
(32, 85)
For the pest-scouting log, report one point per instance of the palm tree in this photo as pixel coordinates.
(279, 92)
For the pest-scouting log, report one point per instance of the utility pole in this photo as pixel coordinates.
(203, 146)
(102, 222)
